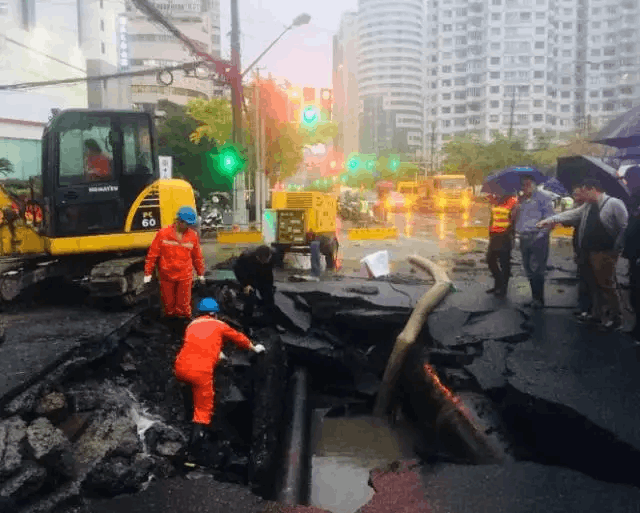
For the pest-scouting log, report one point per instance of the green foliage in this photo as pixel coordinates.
(321, 133)
(6, 167)
(214, 117)
(189, 158)
(467, 155)
(286, 151)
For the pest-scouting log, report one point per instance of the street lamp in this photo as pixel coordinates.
(301, 19)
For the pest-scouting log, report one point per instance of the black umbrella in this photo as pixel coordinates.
(622, 132)
(574, 170)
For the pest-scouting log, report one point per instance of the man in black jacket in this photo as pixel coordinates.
(254, 271)
(631, 249)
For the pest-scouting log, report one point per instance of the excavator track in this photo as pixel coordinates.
(119, 277)
(104, 277)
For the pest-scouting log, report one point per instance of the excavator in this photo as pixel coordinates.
(93, 212)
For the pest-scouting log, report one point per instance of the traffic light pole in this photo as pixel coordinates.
(239, 196)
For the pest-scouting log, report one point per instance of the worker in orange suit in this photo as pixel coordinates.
(176, 249)
(197, 359)
(500, 243)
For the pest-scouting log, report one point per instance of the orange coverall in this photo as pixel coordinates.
(176, 260)
(196, 361)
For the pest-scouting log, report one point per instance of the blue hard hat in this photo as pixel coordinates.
(208, 305)
(188, 215)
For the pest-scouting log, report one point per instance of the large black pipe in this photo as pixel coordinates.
(294, 485)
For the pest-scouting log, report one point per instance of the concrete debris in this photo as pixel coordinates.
(299, 319)
(364, 290)
(490, 369)
(444, 325)
(30, 478)
(12, 432)
(164, 440)
(505, 324)
(53, 406)
(48, 446)
(116, 476)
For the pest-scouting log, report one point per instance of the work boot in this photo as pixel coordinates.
(197, 437)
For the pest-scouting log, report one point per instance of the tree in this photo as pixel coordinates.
(189, 158)
(6, 167)
(214, 117)
(285, 152)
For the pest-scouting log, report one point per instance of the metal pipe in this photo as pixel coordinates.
(296, 444)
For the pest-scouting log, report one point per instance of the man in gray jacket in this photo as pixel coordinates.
(601, 222)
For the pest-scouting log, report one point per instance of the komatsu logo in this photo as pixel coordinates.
(104, 188)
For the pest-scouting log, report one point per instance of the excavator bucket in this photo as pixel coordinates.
(372, 233)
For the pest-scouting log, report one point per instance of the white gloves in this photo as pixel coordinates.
(147, 279)
(259, 349)
(222, 356)
(201, 279)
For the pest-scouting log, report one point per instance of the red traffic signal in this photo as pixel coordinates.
(309, 94)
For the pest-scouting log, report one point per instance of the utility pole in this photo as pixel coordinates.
(239, 199)
(513, 109)
(257, 183)
(433, 146)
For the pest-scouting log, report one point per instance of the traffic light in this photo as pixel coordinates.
(394, 163)
(229, 160)
(310, 116)
(309, 94)
(353, 163)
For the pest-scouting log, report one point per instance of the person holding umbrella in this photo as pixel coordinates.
(602, 221)
(533, 207)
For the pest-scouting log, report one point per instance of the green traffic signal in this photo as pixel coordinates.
(370, 165)
(352, 164)
(394, 164)
(310, 116)
(230, 160)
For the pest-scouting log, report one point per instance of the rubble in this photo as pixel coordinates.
(49, 447)
(12, 433)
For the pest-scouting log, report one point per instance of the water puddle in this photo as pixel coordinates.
(346, 450)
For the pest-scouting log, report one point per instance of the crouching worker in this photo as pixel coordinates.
(197, 359)
(254, 271)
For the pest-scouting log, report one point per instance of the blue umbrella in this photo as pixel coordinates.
(572, 171)
(554, 185)
(508, 181)
(623, 131)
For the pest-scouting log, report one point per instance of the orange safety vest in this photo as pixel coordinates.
(501, 216)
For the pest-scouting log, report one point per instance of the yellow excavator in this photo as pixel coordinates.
(95, 209)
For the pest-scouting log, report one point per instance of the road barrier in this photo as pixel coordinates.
(482, 232)
(240, 237)
(372, 233)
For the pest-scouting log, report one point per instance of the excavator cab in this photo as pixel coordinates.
(95, 165)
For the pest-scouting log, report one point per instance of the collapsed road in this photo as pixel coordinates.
(106, 418)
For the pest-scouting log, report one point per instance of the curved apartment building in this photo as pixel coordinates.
(390, 75)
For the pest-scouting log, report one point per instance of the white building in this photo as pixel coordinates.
(390, 75)
(528, 66)
(345, 83)
(151, 45)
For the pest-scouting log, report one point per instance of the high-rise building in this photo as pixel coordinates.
(151, 45)
(390, 75)
(524, 67)
(345, 84)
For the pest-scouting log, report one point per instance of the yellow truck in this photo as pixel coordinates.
(302, 217)
(445, 192)
(409, 196)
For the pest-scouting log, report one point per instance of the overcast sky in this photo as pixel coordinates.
(304, 54)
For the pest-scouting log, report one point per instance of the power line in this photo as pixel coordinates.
(60, 61)
(150, 71)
